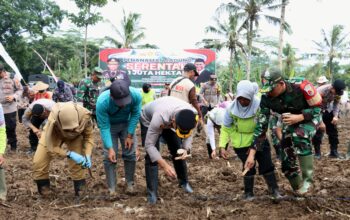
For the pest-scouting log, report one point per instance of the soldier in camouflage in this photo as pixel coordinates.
(89, 89)
(301, 114)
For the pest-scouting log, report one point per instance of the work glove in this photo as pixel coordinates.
(77, 158)
(87, 162)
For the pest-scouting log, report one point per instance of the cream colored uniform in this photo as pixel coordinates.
(79, 140)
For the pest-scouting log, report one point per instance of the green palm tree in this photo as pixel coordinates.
(334, 45)
(289, 60)
(251, 11)
(130, 31)
(227, 30)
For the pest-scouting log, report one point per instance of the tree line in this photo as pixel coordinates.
(28, 25)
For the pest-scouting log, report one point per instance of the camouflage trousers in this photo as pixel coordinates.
(296, 141)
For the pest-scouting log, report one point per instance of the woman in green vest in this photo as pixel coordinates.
(238, 127)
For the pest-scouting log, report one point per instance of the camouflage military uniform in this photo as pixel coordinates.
(296, 139)
(88, 91)
(274, 139)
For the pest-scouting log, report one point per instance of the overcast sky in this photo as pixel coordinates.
(180, 24)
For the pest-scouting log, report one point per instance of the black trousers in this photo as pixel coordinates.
(20, 112)
(143, 135)
(174, 143)
(11, 123)
(263, 157)
(33, 139)
(331, 131)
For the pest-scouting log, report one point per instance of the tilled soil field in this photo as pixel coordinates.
(217, 185)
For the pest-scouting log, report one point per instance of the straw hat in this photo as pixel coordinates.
(40, 86)
(322, 79)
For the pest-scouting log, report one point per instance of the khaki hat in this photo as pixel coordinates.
(68, 116)
(322, 79)
(40, 86)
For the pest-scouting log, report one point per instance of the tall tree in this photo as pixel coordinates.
(334, 45)
(282, 19)
(130, 31)
(251, 11)
(289, 60)
(86, 17)
(230, 39)
(31, 19)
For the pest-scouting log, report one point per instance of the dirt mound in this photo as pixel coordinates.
(217, 184)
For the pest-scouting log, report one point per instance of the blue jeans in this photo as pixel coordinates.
(120, 132)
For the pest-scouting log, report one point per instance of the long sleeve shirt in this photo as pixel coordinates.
(157, 116)
(46, 103)
(9, 87)
(291, 101)
(108, 113)
(330, 101)
(53, 138)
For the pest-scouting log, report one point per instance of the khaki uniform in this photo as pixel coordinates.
(80, 140)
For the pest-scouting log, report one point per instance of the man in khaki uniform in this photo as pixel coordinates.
(69, 124)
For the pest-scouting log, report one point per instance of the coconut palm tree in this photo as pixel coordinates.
(289, 60)
(229, 38)
(334, 45)
(130, 31)
(280, 48)
(251, 11)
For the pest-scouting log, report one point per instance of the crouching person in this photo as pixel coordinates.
(69, 124)
(174, 120)
(239, 124)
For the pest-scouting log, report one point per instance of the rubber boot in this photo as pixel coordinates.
(295, 182)
(209, 150)
(111, 176)
(185, 186)
(181, 172)
(334, 151)
(43, 187)
(307, 170)
(317, 151)
(13, 146)
(129, 170)
(270, 179)
(152, 182)
(79, 187)
(3, 188)
(248, 188)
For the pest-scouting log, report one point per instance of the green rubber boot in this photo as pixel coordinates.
(296, 182)
(307, 170)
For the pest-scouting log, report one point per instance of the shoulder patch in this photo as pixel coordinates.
(313, 98)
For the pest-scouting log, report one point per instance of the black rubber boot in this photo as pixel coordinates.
(43, 187)
(270, 179)
(317, 151)
(13, 146)
(209, 150)
(152, 182)
(248, 188)
(79, 187)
